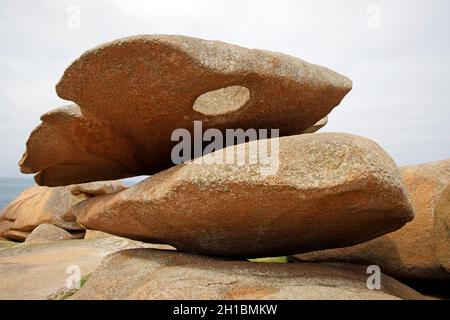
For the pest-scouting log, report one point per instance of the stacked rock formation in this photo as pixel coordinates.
(131, 95)
(329, 190)
(43, 205)
(151, 274)
(420, 250)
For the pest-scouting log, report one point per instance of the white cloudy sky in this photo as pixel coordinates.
(401, 70)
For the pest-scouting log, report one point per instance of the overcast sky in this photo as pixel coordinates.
(395, 51)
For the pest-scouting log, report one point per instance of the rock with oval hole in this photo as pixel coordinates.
(131, 94)
(149, 274)
(321, 190)
(421, 249)
(38, 205)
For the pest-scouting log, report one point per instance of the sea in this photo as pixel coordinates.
(10, 188)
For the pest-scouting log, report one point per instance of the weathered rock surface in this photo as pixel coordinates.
(15, 235)
(421, 249)
(48, 233)
(319, 125)
(330, 190)
(131, 94)
(151, 274)
(37, 271)
(94, 234)
(6, 244)
(442, 229)
(39, 205)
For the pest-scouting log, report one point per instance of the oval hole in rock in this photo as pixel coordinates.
(222, 101)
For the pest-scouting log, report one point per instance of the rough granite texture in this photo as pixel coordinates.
(419, 250)
(319, 125)
(47, 233)
(38, 205)
(331, 190)
(151, 274)
(132, 93)
(37, 270)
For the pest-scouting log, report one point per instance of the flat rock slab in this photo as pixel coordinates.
(132, 93)
(6, 244)
(149, 274)
(43, 205)
(329, 190)
(37, 271)
(419, 250)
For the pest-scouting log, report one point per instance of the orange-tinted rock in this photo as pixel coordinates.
(37, 270)
(149, 274)
(43, 205)
(421, 249)
(131, 94)
(15, 235)
(442, 228)
(330, 190)
(94, 234)
(319, 125)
